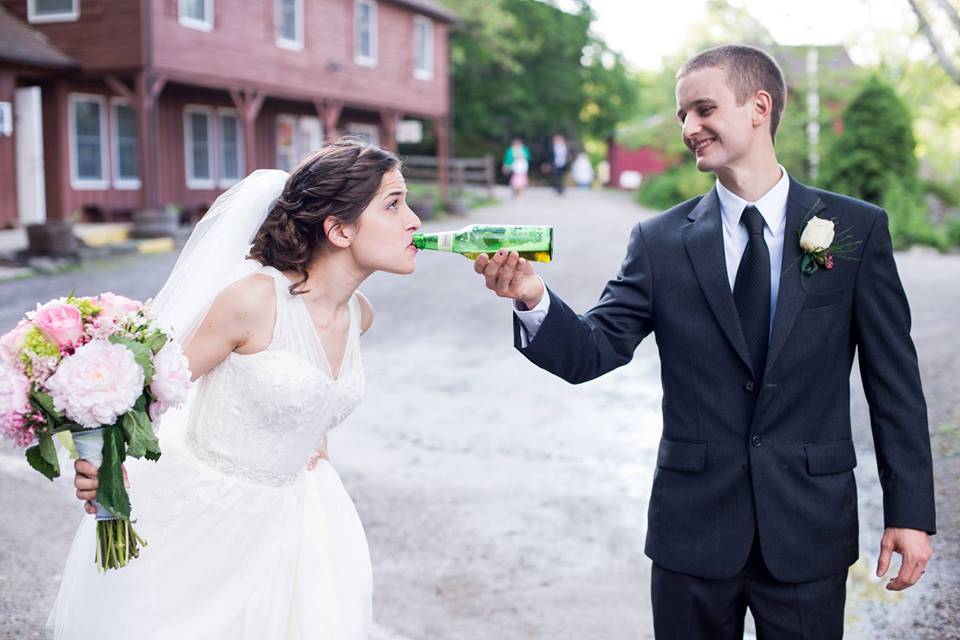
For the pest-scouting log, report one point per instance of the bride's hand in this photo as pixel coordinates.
(321, 453)
(87, 481)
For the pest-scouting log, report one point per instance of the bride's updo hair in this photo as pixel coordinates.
(338, 181)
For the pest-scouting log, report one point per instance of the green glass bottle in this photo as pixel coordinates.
(534, 243)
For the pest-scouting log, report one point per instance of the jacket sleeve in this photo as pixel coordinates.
(891, 381)
(579, 348)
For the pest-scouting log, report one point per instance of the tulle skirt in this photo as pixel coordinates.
(227, 559)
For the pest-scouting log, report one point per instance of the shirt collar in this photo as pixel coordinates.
(772, 205)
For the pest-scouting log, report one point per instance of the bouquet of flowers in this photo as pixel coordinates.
(102, 369)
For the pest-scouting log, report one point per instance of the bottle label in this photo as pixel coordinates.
(445, 241)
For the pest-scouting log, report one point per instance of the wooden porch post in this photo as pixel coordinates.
(440, 129)
(329, 111)
(389, 119)
(248, 103)
(143, 100)
(8, 157)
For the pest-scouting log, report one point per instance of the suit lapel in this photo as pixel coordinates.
(802, 204)
(703, 240)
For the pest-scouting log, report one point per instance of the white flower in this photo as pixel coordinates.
(97, 384)
(171, 378)
(817, 235)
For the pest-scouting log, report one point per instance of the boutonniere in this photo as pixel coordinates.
(820, 244)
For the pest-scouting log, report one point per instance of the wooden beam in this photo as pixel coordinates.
(329, 111)
(120, 89)
(389, 119)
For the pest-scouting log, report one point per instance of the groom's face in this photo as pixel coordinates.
(715, 128)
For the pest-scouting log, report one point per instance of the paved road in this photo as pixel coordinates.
(500, 502)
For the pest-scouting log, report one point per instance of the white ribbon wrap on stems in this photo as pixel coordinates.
(89, 444)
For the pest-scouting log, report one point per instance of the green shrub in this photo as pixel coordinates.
(672, 187)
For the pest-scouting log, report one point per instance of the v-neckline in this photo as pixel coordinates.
(319, 339)
(316, 334)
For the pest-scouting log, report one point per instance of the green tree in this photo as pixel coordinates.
(877, 142)
(523, 67)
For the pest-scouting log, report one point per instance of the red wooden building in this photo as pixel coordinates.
(135, 104)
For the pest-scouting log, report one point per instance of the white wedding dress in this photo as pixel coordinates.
(244, 541)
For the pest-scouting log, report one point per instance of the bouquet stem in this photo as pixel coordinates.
(117, 541)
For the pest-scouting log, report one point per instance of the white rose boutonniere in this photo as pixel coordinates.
(820, 244)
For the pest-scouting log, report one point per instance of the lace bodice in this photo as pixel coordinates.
(259, 416)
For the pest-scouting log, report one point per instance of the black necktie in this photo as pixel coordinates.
(751, 291)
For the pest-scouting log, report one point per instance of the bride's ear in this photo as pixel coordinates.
(338, 233)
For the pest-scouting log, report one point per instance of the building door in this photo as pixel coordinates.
(28, 123)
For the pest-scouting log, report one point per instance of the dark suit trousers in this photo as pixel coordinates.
(690, 608)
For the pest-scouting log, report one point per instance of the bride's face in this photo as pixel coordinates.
(384, 231)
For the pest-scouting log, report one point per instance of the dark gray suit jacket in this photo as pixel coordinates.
(737, 458)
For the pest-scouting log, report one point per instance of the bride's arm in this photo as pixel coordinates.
(240, 319)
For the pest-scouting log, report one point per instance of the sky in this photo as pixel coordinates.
(643, 30)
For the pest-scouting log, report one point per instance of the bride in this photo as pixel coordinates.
(245, 543)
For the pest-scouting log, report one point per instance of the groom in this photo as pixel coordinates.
(754, 501)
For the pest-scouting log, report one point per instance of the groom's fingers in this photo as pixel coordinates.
(886, 551)
(505, 277)
(481, 262)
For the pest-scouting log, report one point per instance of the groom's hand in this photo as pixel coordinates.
(510, 276)
(914, 547)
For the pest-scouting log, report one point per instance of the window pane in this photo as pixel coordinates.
(196, 9)
(230, 136)
(44, 7)
(88, 140)
(288, 19)
(363, 30)
(200, 146)
(127, 152)
(421, 47)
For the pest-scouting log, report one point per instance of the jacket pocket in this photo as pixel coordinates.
(682, 456)
(830, 457)
(823, 298)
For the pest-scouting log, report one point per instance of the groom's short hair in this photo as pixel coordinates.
(748, 70)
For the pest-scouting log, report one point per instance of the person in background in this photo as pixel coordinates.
(556, 161)
(516, 162)
(582, 171)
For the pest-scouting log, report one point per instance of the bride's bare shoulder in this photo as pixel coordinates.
(249, 299)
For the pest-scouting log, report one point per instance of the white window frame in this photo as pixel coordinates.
(87, 184)
(192, 182)
(358, 57)
(427, 73)
(222, 180)
(286, 43)
(191, 22)
(67, 16)
(118, 181)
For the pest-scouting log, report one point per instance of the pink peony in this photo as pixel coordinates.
(12, 342)
(115, 307)
(14, 401)
(171, 379)
(61, 323)
(97, 384)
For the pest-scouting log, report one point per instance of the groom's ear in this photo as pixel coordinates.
(338, 233)
(762, 107)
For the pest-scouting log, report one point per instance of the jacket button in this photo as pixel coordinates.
(756, 441)
(749, 386)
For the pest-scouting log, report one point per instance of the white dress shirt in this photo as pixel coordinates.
(772, 206)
